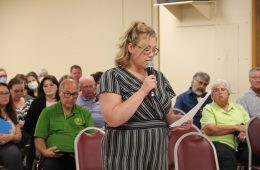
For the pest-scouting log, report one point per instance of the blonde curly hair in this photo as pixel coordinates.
(137, 32)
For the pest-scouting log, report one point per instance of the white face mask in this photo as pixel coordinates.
(3, 79)
(33, 85)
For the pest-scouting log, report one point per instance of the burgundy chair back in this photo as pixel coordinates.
(174, 136)
(253, 139)
(88, 150)
(195, 151)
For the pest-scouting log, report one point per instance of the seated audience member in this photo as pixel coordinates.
(58, 126)
(224, 122)
(187, 100)
(88, 99)
(251, 99)
(3, 76)
(97, 76)
(10, 155)
(75, 72)
(42, 73)
(23, 78)
(48, 95)
(21, 104)
(32, 84)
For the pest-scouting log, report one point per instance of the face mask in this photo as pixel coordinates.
(33, 85)
(3, 79)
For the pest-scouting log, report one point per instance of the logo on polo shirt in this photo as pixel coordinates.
(78, 121)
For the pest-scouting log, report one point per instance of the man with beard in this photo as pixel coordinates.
(187, 100)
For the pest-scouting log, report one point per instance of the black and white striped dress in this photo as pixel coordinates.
(141, 143)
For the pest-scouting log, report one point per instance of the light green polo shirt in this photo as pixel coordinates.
(235, 115)
(59, 130)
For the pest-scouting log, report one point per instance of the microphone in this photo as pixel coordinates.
(150, 71)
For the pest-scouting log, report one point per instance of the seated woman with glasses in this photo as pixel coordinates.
(10, 132)
(224, 122)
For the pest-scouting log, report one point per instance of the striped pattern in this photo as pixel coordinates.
(141, 143)
(141, 149)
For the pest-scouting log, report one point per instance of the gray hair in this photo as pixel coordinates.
(42, 70)
(253, 70)
(65, 81)
(201, 75)
(1, 69)
(223, 83)
(82, 79)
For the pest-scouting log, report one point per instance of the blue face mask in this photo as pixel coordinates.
(3, 79)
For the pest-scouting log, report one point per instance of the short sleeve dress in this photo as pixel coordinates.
(140, 143)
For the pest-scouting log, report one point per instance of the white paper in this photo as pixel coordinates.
(191, 113)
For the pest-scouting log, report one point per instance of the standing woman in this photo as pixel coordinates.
(10, 154)
(48, 95)
(136, 123)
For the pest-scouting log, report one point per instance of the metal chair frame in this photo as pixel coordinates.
(195, 134)
(77, 158)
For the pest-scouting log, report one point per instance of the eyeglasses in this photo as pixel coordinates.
(255, 78)
(4, 94)
(148, 51)
(219, 90)
(69, 95)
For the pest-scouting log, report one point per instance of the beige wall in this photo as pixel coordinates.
(55, 34)
(220, 46)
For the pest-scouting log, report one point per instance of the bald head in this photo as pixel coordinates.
(88, 79)
(88, 87)
(68, 81)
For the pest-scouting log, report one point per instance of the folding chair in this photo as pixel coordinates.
(88, 149)
(174, 136)
(195, 151)
(253, 140)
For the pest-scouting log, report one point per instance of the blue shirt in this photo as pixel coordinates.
(187, 100)
(94, 107)
(251, 102)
